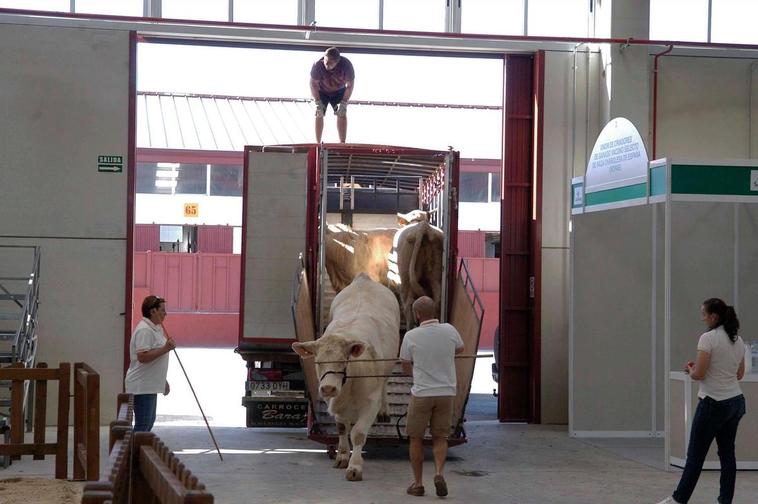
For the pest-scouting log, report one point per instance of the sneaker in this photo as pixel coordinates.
(668, 500)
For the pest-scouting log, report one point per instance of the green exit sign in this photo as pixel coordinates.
(111, 164)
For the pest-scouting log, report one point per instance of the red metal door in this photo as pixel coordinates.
(519, 395)
(215, 239)
(147, 237)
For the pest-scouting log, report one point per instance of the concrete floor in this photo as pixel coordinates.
(508, 464)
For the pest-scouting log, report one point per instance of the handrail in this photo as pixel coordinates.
(468, 285)
(23, 346)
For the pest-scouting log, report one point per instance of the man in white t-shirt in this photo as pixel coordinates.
(148, 351)
(428, 353)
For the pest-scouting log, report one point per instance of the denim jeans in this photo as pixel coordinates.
(144, 412)
(713, 419)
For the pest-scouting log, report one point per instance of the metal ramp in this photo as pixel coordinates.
(466, 315)
(399, 395)
(19, 304)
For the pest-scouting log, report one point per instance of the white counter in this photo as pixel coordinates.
(683, 396)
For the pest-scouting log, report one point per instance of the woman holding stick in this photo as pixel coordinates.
(148, 351)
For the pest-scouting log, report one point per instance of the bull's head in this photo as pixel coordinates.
(331, 354)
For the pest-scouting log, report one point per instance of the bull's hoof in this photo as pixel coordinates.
(383, 418)
(353, 474)
(341, 463)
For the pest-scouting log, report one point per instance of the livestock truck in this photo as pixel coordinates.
(291, 194)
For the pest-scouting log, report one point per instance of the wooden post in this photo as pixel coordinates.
(86, 423)
(141, 491)
(93, 425)
(79, 422)
(17, 414)
(61, 452)
(40, 411)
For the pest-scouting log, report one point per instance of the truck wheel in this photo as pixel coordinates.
(331, 451)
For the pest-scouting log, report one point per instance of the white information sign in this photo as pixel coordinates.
(578, 196)
(618, 159)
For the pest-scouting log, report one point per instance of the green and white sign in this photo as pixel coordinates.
(617, 169)
(111, 164)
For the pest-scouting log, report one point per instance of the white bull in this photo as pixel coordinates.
(365, 324)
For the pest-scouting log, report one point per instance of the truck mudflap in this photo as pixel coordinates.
(466, 314)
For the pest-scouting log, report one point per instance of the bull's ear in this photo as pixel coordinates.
(305, 350)
(356, 349)
(402, 219)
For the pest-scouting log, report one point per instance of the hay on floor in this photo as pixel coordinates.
(39, 491)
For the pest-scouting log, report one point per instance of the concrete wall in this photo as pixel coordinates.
(703, 112)
(59, 86)
(703, 107)
(564, 125)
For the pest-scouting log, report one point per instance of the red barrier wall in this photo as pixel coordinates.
(202, 294)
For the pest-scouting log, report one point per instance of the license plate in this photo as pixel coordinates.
(267, 386)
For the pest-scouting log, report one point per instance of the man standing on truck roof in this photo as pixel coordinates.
(332, 80)
(428, 353)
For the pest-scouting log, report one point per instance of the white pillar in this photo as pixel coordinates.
(625, 72)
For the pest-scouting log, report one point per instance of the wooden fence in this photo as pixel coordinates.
(39, 448)
(86, 423)
(86, 417)
(142, 469)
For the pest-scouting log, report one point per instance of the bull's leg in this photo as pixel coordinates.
(436, 294)
(358, 437)
(408, 310)
(384, 411)
(343, 448)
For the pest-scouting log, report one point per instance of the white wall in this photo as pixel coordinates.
(169, 209)
(479, 216)
(63, 102)
(565, 122)
(703, 107)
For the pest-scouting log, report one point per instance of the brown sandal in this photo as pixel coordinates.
(416, 490)
(440, 486)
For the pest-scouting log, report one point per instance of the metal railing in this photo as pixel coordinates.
(19, 301)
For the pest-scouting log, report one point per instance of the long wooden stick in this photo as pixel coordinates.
(398, 360)
(213, 438)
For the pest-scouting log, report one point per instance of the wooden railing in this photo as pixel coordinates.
(114, 489)
(142, 469)
(159, 475)
(123, 422)
(39, 448)
(86, 423)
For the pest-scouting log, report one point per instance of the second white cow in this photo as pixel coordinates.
(365, 325)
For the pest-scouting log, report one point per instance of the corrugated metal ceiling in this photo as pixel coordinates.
(228, 123)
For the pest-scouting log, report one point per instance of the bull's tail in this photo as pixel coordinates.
(415, 286)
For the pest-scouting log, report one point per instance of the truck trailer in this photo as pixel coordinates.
(291, 194)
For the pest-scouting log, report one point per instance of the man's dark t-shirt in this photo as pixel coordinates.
(331, 81)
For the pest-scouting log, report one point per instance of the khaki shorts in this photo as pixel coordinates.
(436, 412)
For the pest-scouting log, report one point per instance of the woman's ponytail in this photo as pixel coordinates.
(731, 323)
(727, 316)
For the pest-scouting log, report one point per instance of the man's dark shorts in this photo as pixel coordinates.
(332, 99)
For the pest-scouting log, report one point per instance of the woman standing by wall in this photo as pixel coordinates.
(148, 350)
(719, 366)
